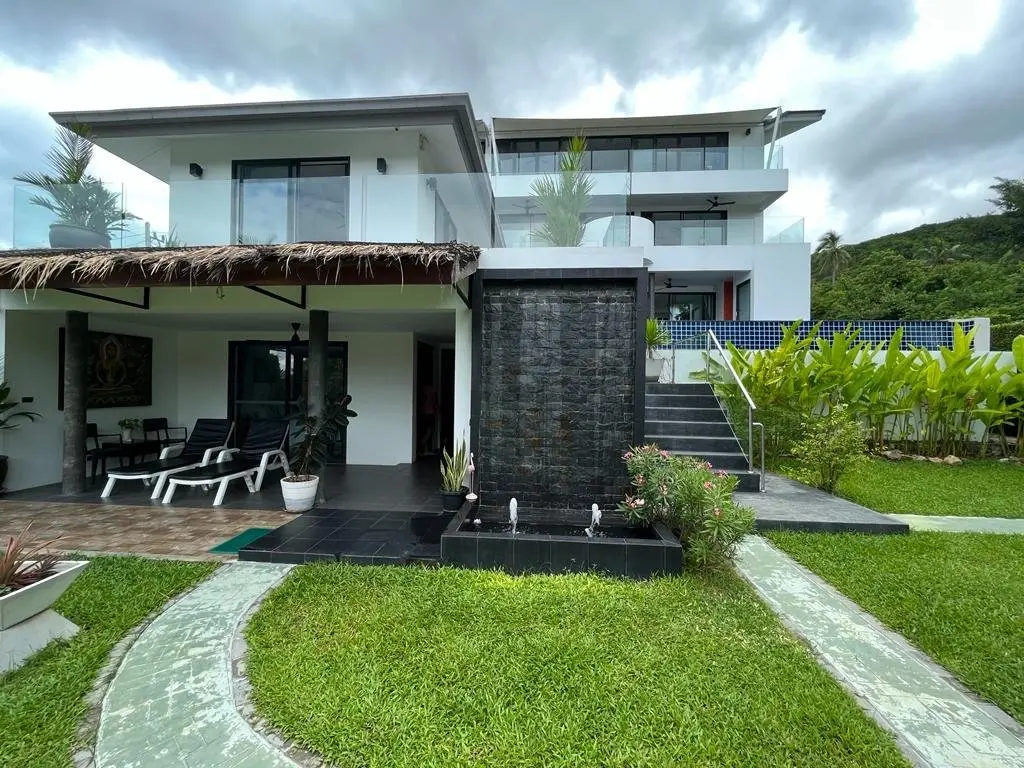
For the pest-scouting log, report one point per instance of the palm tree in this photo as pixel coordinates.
(70, 191)
(831, 255)
(564, 198)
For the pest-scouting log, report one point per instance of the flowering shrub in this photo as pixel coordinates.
(692, 498)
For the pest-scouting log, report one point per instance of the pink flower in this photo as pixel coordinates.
(639, 502)
(706, 465)
(708, 484)
(717, 512)
(664, 454)
(639, 479)
(627, 455)
(722, 473)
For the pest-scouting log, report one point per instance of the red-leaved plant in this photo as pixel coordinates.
(23, 563)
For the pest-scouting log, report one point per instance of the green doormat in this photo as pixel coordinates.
(235, 543)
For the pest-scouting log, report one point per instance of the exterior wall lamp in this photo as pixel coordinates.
(382, 165)
(196, 170)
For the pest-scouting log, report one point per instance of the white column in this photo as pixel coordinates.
(463, 372)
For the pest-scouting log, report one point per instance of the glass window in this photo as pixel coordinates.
(688, 227)
(263, 192)
(674, 305)
(321, 200)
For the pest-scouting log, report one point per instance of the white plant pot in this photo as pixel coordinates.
(299, 495)
(126, 435)
(653, 366)
(24, 603)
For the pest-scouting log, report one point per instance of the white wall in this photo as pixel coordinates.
(33, 367)
(780, 286)
(380, 380)
(463, 374)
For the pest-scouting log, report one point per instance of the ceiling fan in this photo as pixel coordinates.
(714, 203)
(666, 285)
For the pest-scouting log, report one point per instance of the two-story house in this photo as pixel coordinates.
(217, 311)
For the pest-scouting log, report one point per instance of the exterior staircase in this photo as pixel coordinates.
(687, 419)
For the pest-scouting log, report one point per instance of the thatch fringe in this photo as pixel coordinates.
(217, 264)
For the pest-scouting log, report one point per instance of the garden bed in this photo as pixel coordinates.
(978, 487)
(42, 703)
(446, 667)
(957, 596)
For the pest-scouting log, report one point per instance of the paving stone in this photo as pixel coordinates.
(171, 702)
(935, 720)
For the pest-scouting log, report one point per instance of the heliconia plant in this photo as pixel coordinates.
(903, 397)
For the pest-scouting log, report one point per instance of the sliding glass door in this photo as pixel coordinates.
(267, 380)
(287, 201)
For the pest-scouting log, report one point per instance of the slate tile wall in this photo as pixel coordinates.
(557, 388)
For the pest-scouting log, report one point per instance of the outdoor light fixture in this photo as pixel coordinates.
(382, 165)
(295, 333)
(195, 169)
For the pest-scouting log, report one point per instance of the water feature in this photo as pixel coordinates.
(595, 520)
(513, 514)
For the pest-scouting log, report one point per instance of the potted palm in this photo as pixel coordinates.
(656, 335)
(319, 432)
(9, 413)
(564, 197)
(87, 212)
(453, 471)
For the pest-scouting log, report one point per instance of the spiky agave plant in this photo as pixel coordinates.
(23, 563)
(564, 197)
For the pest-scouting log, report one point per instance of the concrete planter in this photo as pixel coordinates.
(22, 604)
(299, 495)
(653, 366)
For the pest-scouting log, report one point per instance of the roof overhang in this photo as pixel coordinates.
(516, 127)
(249, 265)
(455, 109)
(791, 122)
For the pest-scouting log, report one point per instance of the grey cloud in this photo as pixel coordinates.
(884, 146)
(510, 56)
(24, 139)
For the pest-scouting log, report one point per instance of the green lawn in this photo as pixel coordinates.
(390, 667)
(957, 596)
(41, 704)
(982, 488)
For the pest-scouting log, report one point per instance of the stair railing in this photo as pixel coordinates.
(712, 341)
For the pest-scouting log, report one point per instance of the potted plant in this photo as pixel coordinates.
(656, 335)
(9, 412)
(127, 426)
(87, 212)
(564, 197)
(30, 582)
(453, 471)
(319, 432)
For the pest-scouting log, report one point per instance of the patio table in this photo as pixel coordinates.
(129, 451)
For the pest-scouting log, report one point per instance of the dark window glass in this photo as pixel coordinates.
(743, 301)
(672, 305)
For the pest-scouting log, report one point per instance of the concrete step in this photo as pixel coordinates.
(699, 446)
(691, 388)
(681, 401)
(749, 481)
(654, 427)
(705, 415)
(728, 461)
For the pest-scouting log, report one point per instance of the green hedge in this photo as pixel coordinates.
(1003, 335)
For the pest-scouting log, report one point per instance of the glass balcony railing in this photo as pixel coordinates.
(644, 160)
(389, 208)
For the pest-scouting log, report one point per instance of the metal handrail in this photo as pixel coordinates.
(713, 338)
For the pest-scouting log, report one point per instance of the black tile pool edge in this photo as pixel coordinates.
(532, 553)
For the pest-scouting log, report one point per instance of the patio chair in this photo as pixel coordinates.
(208, 438)
(97, 454)
(261, 451)
(162, 433)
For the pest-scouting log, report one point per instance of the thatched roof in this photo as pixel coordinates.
(325, 263)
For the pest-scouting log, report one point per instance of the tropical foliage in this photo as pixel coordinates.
(908, 398)
(832, 445)
(453, 468)
(319, 432)
(564, 197)
(10, 410)
(830, 255)
(70, 191)
(23, 562)
(692, 498)
(656, 335)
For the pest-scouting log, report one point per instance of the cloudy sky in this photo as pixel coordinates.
(925, 99)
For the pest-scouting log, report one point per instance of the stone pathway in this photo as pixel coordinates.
(171, 702)
(955, 524)
(936, 722)
(787, 505)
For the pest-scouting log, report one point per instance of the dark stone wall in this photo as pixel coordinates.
(557, 379)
